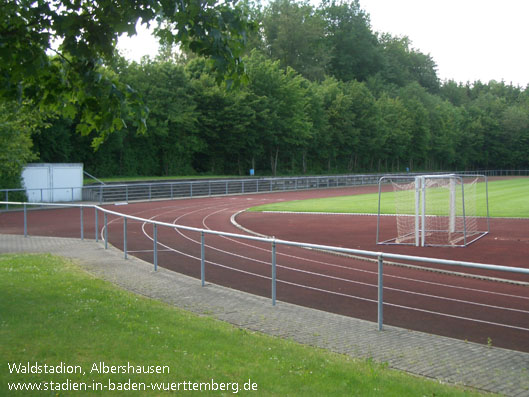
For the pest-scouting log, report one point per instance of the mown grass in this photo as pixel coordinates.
(53, 312)
(507, 198)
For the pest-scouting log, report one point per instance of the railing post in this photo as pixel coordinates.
(106, 230)
(125, 237)
(25, 220)
(380, 292)
(274, 272)
(82, 223)
(97, 224)
(155, 248)
(202, 258)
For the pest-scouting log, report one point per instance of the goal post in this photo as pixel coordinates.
(434, 210)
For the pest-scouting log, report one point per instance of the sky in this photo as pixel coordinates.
(469, 40)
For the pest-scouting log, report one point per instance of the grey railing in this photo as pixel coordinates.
(210, 187)
(182, 189)
(379, 256)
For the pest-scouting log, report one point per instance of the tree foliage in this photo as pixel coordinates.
(294, 33)
(355, 53)
(17, 123)
(54, 53)
(344, 99)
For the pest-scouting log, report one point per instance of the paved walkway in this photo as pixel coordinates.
(448, 360)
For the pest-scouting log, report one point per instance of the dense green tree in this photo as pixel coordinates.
(223, 118)
(82, 36)
(444, 129)
(17, 122)
(393, 133)
(418, 102)
(354, 47)
(455, 93)
(280, 104)
(295, 35)
(380, 107)
(403, 65)
(172, 123)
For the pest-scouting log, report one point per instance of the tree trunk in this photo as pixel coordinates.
(273, 161)
(351, 163)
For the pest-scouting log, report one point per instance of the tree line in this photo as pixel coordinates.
(324, 94)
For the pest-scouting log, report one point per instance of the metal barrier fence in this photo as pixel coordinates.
(182, 189)
(379, 256)
(212, 187)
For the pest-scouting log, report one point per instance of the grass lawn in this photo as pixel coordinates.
(507, 198)
(52, 312)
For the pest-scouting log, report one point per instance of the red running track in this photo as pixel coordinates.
(466, 308)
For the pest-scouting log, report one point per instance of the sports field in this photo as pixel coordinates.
(507, 198)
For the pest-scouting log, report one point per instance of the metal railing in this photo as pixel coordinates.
(127, 192)
(379, 256)
(183, 189)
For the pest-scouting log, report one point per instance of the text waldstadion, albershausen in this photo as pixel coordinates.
(99, 368)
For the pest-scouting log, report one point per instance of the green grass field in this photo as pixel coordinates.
(507, 198)
(52, 312)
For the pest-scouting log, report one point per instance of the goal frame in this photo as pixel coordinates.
(418, 235)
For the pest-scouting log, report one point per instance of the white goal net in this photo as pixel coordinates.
(437, 210)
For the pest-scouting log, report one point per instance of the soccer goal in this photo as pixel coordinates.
(435, 210)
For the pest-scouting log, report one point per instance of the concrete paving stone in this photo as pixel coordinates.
(445, 359)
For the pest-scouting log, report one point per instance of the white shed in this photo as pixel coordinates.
(50, 183)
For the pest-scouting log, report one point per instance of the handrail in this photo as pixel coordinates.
(94, 178)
